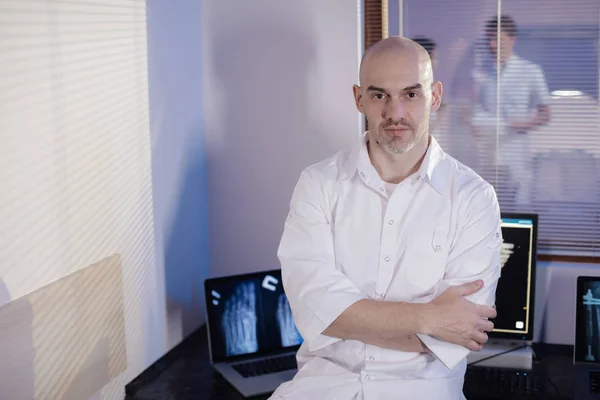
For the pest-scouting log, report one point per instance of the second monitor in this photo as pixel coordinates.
(515, 296)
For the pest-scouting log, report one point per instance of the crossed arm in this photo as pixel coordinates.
(384, 324)
(328, 307)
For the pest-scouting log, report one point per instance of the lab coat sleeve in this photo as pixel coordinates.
(317, 291)
(541, 94)
(475, 254)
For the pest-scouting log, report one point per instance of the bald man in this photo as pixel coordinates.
(390, 253)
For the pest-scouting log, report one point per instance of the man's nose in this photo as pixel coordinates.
(394, 110)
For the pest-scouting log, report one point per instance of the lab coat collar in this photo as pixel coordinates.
(432, 168)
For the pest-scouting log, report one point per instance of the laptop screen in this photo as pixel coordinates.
(249, 315)
(587, 320)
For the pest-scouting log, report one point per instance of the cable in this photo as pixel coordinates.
(499, 354)
(558, 396)
(547, 375)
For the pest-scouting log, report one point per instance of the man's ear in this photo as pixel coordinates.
(436, 95)
(358, 98)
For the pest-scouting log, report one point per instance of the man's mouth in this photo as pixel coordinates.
(396, 131)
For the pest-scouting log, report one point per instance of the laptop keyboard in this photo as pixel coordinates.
(595, 382)
(500, 383)
(266, 366)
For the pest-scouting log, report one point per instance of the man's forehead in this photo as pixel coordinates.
(407, 67)
(396, 78)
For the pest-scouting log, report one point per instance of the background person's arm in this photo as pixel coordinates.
(540, 98)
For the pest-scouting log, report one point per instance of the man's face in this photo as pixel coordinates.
(506, 45)
(396, 95)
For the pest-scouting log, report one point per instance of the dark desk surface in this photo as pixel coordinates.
(186, 373)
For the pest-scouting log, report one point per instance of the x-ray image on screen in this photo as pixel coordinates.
(285, 322)
(511, 294)
(250, 315)
(238, 322)
(587, 342)
(506, 251)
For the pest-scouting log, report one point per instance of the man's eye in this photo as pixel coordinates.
(411, 95)
(379, 96)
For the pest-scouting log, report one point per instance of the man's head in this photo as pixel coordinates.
(430, 46)
(501, 33)
(397, 93)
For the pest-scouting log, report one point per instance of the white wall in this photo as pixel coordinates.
(178, 167)
(278, 79)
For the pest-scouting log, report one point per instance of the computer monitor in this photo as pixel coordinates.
(587, 320)
(515, 294)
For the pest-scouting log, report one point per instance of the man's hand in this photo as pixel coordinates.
(454, 319)
(539, 117)
(522, 124)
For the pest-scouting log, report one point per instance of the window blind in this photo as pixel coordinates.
(75, 176)
(551, 169)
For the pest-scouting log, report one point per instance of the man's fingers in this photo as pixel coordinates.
(480, 337)
(486, 326)
(469, 288)
(472, 345)
(486, 311)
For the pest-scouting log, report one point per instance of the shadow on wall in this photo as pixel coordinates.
(4, 294)
(262, 136)
(17, 369)
(178, 173)
(186, 249)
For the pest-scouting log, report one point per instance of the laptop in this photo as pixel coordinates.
(251, 332)
(586, 353)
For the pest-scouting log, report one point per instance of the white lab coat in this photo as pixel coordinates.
(345, 239)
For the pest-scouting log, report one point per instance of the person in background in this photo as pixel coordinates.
(390, 254)
(523, 107)
(430, 46)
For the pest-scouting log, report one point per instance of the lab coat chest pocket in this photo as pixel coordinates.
(428, 256)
